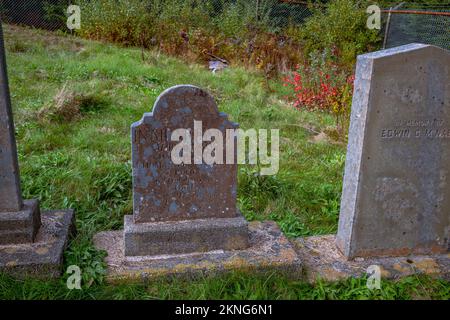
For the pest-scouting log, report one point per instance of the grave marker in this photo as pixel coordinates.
(185, 218)
(31, 244)
(19, 221)
(396, 193)
(197, 201)
(165, 191)
(10, 196)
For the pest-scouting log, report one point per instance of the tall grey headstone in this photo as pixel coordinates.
(396, 193)
(10, 196)
(26, 248)
(19, 220)
(182, 207)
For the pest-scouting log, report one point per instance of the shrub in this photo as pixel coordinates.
(194, 29)
(322, 85)
(341, 26)
(122, 21)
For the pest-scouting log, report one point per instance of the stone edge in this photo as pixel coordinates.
(200, 235)
(43, 258)
(323, 260)
(269, 251)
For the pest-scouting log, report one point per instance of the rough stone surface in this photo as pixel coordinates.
(10, 195)
(269, 251)
(19, 220)
(30, 245)
(42, 258)
(396, 193)
(20, 226)
(174, 237)
(164, 191)
(183, 207)
(321, 259)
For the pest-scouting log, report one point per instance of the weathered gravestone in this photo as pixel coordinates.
(396, 193)
(395, 204)
(185, 218)
(19, 221)
(202, 197)
(29, 244)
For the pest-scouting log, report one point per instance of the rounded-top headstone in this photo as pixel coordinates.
(167, 191)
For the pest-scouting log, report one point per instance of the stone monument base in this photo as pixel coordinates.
(176, 237)
(43, 257)
(269, 250)
(20, 226)
(322, 259)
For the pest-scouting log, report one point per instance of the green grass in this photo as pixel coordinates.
(232, 286)
(78, 156)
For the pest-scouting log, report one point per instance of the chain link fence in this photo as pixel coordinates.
(51, 14)
(408, 22)
(44, 14)
(403, 23)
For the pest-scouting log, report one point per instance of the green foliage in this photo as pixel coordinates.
(238, 31)
(342, 26)
(88, 259)
(321, 85)
(256, 190)
(122, 20)
(236, 18)
(232, 286)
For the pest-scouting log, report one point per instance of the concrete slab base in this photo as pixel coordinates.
(269, 250)
(177, 237)
(43, 257)
(322, 259)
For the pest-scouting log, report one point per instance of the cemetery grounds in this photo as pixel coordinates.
(74, 101)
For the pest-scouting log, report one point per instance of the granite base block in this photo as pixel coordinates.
(322, 259)
(269, 250)
(176, 237)
(43, 257)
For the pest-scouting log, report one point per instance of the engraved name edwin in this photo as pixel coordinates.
(415, 133)
(416, 128)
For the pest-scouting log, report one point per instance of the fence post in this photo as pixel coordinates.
(388, 22)
(257, 10)
(386, 31)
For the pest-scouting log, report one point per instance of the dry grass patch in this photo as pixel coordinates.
(69, 105)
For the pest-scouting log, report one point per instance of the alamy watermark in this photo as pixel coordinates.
(374, 19)
(374, 279)
(190, 150)
(74, 17)
(74, 280)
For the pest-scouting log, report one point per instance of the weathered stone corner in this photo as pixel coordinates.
(21, 226)
(322, 259)
(42, 258)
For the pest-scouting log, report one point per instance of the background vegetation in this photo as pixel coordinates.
(244, 32)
